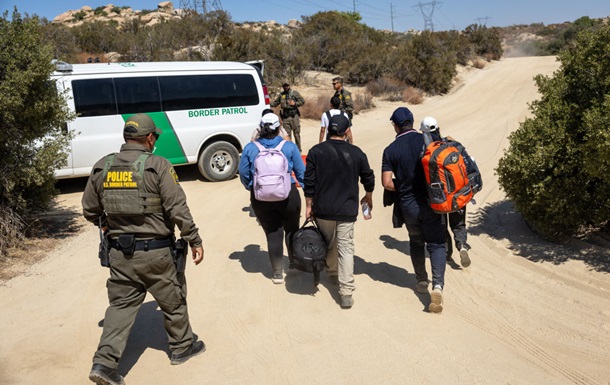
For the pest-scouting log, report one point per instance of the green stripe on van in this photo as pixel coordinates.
(168, 145)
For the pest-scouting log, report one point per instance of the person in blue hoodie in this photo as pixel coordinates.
(279, 220)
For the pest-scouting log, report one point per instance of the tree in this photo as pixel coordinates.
(556, 167)
(32, 113)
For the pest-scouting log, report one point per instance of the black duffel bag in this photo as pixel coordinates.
(309, 249)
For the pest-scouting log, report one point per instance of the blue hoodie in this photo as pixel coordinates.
(290, 150)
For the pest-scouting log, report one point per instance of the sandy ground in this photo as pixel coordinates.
(525, 312)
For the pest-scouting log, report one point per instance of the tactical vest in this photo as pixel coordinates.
(123, 189)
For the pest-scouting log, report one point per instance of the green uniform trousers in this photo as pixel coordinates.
(292, 125)
(130, 278)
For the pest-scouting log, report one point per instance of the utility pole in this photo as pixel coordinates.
(392, 16)
(427, 9)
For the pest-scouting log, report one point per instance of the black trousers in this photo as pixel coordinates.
(279, 220)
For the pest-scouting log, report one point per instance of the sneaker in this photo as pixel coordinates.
(436, 300)
(464, 258)
(278, 278)
(195, 349)
(422, 287)
(103, 375)
(347, 301)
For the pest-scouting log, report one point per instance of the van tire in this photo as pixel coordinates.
(218, 161)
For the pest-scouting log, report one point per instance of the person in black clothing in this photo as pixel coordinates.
(402, 159)
(331, 194)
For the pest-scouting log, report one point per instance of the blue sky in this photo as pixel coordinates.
(380, 14)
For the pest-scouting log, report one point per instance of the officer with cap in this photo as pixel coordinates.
(402, 160)
(347, 102)
(290, 101)
(136, 197)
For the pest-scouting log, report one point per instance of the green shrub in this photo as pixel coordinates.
(425, 62)
(80, 15)
(31, 116)
(556, 167)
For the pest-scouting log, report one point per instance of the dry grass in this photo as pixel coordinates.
(479, 63)
(412, 95)
(84, 56)
(315, 107)
(33, 242)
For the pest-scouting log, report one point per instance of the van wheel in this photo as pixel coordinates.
(218, 161)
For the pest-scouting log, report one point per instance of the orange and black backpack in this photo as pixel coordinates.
(447, 180)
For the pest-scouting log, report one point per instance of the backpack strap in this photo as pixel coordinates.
(280, 145)
(328, 116)
(258, 145)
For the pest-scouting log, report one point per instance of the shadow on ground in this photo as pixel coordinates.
(500, 221)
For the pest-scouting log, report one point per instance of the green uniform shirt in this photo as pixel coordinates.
(160, 178)
(347, 103)
(284, 97)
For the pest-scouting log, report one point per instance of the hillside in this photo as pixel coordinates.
(525, 312)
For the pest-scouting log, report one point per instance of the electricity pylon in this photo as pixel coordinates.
(427, 10)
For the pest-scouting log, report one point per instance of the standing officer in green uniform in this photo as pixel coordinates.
(136, 197)
(290, 101)
(347, 103)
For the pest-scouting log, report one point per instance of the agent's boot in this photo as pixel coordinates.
(195, 349)
(103, 375)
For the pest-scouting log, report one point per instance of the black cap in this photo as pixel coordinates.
(338, 124)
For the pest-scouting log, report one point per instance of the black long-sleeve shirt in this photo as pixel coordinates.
(331, 179)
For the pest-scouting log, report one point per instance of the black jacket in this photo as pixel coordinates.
(331, 179)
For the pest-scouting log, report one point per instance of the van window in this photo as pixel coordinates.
(94, 97)
(137, 95)
(207, 91)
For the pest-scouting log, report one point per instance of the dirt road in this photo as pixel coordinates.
(525, 312)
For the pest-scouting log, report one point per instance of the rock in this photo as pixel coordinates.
(86, 8)
(166, 6)
(293, 23)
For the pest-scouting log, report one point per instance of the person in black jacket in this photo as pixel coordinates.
(402, 160)
(331, 194)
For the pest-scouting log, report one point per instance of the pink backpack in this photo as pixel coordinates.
(271, 175)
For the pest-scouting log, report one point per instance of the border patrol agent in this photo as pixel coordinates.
(347, 102)
(137, 198)
(290, 101)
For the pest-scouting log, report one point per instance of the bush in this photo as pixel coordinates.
(556, 167)
(363, 101)
(314, 108)
(412, 95)
(425, 62)
(32, 113)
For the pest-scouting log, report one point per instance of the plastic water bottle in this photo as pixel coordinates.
(366, 211)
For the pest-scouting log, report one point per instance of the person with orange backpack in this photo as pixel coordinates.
(456, 219)
(427, 229)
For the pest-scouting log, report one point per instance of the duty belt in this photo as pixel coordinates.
(145, 245)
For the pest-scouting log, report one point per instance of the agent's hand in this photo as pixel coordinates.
(197, 254)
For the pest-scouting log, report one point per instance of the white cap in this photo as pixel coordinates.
(429, 124)
(272, 119)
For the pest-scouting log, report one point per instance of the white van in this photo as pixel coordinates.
(206, 110)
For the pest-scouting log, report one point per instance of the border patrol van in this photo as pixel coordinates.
(206, 110)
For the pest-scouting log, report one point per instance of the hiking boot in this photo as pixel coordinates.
(436, 300)
(103, 375)
(422, 287)
(278, 278)
(195, 349)
(347, 301)
(464, 258)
